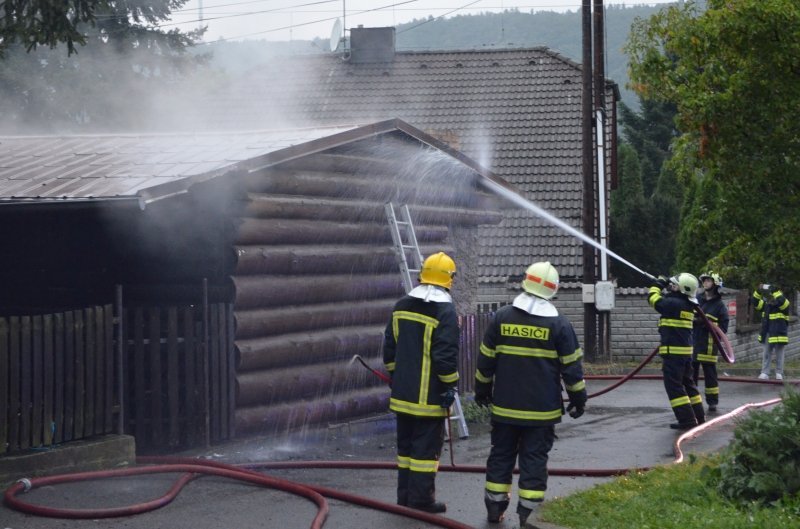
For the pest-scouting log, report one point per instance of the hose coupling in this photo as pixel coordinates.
(26, 484)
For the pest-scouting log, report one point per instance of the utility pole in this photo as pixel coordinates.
(588, 213)
(604, 316)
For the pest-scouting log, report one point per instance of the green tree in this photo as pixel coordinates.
(119, 80)
(629, 211)
(733, 72)
(650, 131)
(34, 23)
(645, 208)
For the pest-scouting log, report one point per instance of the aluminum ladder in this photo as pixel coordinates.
(404, 227)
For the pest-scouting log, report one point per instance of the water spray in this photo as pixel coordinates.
(719, 337)
(516, 198)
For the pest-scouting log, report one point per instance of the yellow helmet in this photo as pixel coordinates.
(541, 279)
(438, 269)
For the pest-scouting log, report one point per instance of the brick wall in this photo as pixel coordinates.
(634, 325)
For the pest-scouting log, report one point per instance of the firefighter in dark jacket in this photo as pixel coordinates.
(774, 327)
(527, 350)
(706, 351)
(420, 351)
(674, 299)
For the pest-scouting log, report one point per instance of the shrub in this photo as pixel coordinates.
(762, 463)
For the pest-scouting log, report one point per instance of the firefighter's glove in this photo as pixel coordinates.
(575, 410)
(448, 397)
(661, 282)
(760, 338)
(484, 400)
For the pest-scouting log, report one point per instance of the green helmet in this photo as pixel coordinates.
(687, 284)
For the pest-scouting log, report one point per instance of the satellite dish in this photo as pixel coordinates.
(336, 34)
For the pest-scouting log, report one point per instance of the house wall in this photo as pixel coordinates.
(634, 324)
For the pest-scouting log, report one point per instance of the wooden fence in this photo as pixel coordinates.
(180, 376)
(473, 326)
(56, 377)
(59, 376)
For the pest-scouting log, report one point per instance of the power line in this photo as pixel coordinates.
(247, 14)
(291, 26)
(440, 16)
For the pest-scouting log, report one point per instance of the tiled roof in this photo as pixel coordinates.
(516, 112)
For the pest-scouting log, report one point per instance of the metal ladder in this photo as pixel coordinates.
(398, 228)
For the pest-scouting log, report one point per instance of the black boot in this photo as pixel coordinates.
(433, 507)
(527, 517)
(495, 510)
(683, 425)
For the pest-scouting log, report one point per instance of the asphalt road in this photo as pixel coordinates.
(625, 428)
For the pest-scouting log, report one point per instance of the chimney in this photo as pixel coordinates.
(371, 44)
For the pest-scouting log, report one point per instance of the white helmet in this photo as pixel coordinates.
(541, 280)
(687, 284)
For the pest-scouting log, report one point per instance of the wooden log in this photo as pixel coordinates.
(310, 347)
(271, 291)
(304, 231)
(293, 207)
(403, 189)
(270, 322)
(326, 259)
(266, 420)
(304, 382)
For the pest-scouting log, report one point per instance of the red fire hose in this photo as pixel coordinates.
(192, 468)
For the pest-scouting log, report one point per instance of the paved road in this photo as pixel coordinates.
(624, 428)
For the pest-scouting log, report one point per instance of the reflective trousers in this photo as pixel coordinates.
(419, 445)
(710, 380)
(532, 444)
(684, 398)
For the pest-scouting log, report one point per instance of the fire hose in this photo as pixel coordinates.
(192, 468)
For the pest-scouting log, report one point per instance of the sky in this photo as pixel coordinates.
(284, 20)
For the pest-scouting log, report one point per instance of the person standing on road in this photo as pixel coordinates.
(674, 299)
(774, 327)
(706, 351)
(420, 352)
(527, 350)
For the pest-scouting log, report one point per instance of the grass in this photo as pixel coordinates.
(669, 497)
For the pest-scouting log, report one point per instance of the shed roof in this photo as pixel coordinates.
(58, 168)
(46, 169)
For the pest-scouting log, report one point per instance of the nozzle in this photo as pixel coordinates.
(353, 360)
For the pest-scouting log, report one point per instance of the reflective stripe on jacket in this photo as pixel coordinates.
(524, 357)
(705, 349)
(420, 351)
(774, 317)
(675, 324)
